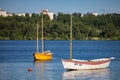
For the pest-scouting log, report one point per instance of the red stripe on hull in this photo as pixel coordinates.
(88, 62)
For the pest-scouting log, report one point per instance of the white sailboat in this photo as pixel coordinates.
(84, 64)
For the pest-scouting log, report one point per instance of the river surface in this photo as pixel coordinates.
(16, 56)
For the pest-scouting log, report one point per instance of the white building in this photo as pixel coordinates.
(4, 13)
(95, 14)
(50, 15)
(21, 14)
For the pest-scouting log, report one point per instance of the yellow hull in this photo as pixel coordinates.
(43, 56)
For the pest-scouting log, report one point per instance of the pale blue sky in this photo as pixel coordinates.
(65, 6)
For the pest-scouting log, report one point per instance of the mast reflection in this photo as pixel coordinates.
(39, 70)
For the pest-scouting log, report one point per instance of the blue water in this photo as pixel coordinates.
(17, 56)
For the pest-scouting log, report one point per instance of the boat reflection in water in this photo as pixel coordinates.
(43, 70)
(100, 74)
(39, 70)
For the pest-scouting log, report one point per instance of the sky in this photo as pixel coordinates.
(65, 6)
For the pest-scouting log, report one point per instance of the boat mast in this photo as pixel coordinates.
(42, 34)
(37, 39)
(71, 37)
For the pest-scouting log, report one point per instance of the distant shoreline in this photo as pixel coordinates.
(87, 27)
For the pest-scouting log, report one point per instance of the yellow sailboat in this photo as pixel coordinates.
(44, 55)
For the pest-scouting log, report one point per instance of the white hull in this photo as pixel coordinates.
(85, 64)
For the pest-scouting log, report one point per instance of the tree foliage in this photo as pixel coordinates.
(103, 27)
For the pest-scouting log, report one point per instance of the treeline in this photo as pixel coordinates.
(87, 27)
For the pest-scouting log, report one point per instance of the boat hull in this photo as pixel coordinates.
(42, 56)
(85, 64)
